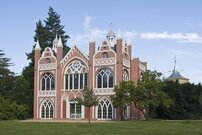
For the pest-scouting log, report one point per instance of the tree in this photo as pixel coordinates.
(89, 99)
(122, 97)
(187, 101)
(45, 34)
(6, 76)
(53, 25)
(149, 93)
(10, 110)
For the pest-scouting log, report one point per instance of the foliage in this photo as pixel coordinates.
(11, 110)
(149, 93)
(89, 99)
(45, 34)
(187, 101)
(6, 76)
(122, 97)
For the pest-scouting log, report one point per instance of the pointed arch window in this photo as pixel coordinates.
(76, 75)
(47, 109)
(47, 60)
(105, 55)
(105, 109)
(125, 75)
(48, 82)
(104, 79)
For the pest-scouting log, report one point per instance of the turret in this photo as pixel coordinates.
(119, 58)
(59, 49)
(55, 42)
(37, 55)
(111, 38)
(91, 54)
(129, 48)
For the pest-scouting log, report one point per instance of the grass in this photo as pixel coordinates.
(154, 127)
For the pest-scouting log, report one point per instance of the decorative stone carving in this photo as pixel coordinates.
(104, 61)
(47, 66)
(104, 91)
(47, 93)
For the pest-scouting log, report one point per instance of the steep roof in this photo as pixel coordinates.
(176, 75)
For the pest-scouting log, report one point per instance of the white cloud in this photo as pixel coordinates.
(87, 22)
(180, 37)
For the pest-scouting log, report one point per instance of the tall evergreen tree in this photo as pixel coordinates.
(45, 34)
(6, 76)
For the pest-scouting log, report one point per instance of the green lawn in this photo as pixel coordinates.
(115, 128)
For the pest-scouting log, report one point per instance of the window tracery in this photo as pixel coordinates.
(104, 79)
(76, 75)
(48, 82)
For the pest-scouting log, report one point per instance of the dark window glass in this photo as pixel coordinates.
(86, 79)
(76, 79)
(53, 84)
(42, 112)
(110, 112)
(47, 112)
(104, 112)
(70, 81)
(105, 81)
(47, 84)
(110, 80)
(99, 81)
(66, 81)
(51, 111)
(43, 84)
(81, 81)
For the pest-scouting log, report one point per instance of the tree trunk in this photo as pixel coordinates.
(121, 113)
(89, 116)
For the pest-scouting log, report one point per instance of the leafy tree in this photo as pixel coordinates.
(21, 92)
(89, 99)
(149, 93)
(45, 34)
(187, 101)
(11, 110)
(122, 97)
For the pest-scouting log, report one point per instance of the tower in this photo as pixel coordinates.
(111, 37)
(55, 42)
(176, 75)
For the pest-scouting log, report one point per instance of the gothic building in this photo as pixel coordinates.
(59, 79)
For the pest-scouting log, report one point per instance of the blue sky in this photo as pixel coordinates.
(158, 29)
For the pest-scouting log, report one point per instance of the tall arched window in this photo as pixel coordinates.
(105, 109)
(47, 82)
(76, 75)
(104, 79)
(47, 109)
(125, 75)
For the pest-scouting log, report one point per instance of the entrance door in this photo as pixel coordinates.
(75, 109)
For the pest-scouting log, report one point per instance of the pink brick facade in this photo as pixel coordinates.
(58, 80)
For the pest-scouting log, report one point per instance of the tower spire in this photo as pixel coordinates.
(175, 62)
(37, 47)
(110, 26)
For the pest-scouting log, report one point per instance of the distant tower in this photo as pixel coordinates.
(111, 38)
(176, 75)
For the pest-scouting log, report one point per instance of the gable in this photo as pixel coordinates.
(74, 53)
